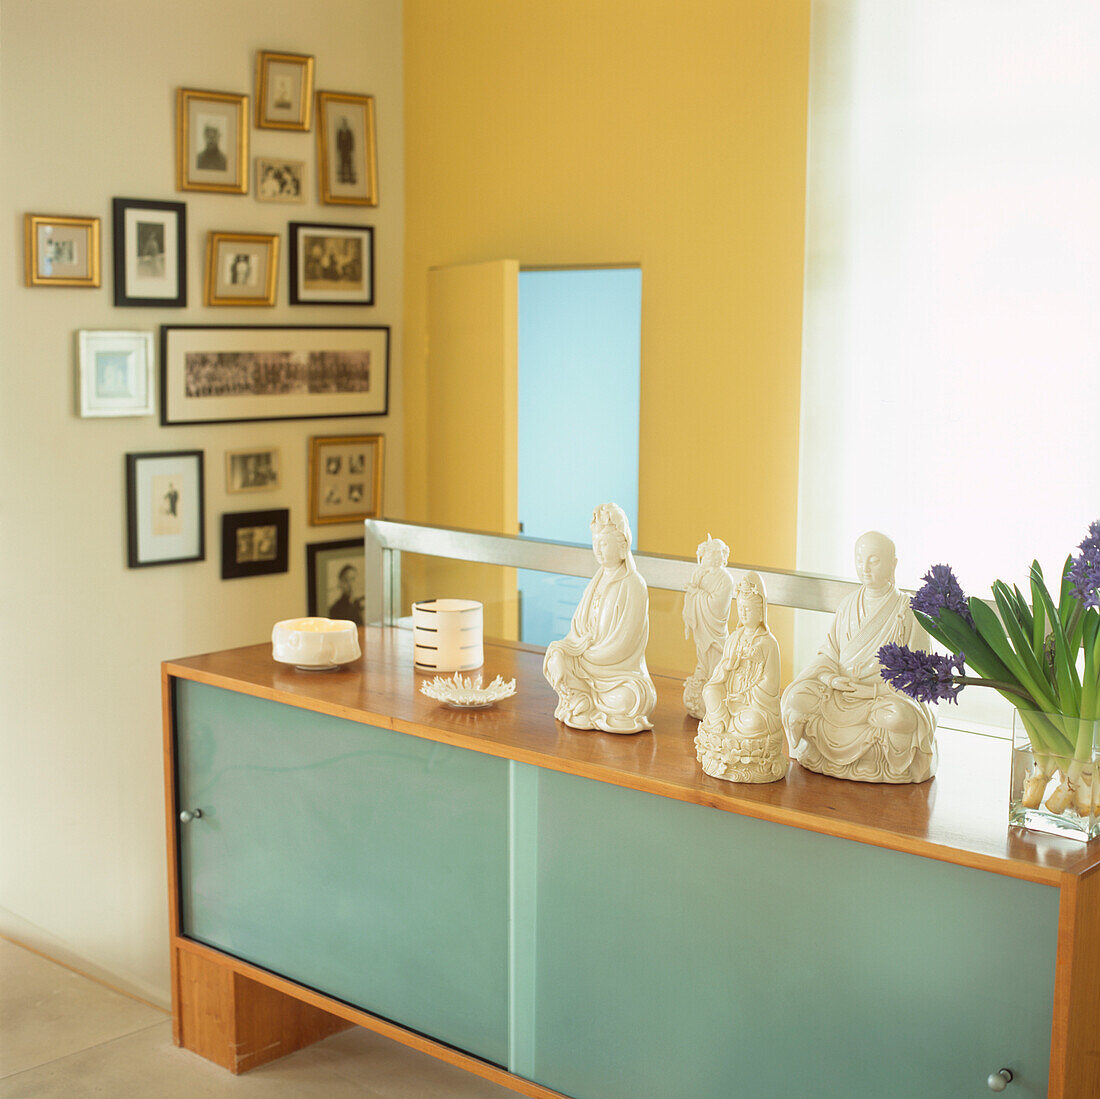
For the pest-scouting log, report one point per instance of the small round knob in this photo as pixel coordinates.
(188, 815)
(1000, 1079)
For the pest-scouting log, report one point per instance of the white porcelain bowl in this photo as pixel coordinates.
(315, 644)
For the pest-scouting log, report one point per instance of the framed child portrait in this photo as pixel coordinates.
(284, 90)
(165, 523)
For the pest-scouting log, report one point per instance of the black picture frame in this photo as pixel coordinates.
(236, 403)
(339, 552)
(173, 255)
(256, 559)
(358, 292)
(160, 529)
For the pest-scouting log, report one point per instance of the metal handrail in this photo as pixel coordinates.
(387, 539)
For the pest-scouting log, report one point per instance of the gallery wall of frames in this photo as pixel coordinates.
(215, 373)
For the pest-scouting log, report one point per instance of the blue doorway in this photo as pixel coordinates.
(579, 394)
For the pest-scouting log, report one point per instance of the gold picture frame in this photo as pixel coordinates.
(347, 163)
(345, 478)
(284, 91)
(241, 268)
(211, 142)
(61, 251)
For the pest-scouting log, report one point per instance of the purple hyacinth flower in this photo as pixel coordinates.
(1084, 569)
(941, 590)
(927, 677)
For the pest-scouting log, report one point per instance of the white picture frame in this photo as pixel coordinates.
(115, 373)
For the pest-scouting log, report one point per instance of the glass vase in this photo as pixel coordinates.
(1055, 789)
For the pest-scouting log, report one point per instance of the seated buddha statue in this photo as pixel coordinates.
(598, 669)
(741, 738)
(841, 717)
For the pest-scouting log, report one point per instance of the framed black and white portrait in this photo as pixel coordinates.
(331, 264)
(279, 180)
(284, 90)
(346, 158)
(164, 508)
(211, 141)
(255, 469)
(241, 268)
(335, 580)
(254, 543)
(150, 245)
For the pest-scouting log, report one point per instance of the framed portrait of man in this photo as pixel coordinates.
(335, 580)
(346, 159)
(211, 141)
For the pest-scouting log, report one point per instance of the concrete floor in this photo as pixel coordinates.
(64, 1036)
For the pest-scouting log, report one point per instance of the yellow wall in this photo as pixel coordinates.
(666, 132)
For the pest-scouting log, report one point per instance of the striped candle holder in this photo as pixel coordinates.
(447, 635)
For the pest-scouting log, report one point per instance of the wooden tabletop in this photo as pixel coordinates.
(960, 816)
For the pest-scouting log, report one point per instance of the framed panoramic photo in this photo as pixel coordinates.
(116, 373)
(150, 244)
(346, 160)
(345, 478)
(331, 264)
(241, 268)
(253, 470)
(334, 580)
(211, 141)
(280, 180)
(164, 508)
(60, 251)
(226, 373)
(284, 90)
(254, 543)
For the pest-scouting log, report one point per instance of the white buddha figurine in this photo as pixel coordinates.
(707, 600)
(741, 737)
(598, 669)
(842, 718)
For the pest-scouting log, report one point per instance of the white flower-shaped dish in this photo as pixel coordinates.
(466, 692)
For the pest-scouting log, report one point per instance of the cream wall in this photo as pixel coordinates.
(87, 113)
(668, 134)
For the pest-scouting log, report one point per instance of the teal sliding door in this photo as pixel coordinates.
(369, 865)
(686, 952)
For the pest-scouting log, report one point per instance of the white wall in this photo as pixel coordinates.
(87, 111)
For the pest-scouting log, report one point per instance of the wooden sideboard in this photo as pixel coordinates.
(577, 913)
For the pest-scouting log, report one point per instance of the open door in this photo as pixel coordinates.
(472, 428)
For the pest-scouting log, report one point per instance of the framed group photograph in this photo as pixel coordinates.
(346, 158)
(331, 264)
(211, 141)
(150, 244)
(284, 90)
(253, 470)
(116, 373)
(345, 478)
(280, 180)
(164, 508)
(226, 373)
(254, 543)
(335, 580)
(241, 268)
(60, 251)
